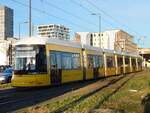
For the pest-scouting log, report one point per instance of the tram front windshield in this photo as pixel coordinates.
(30, 59)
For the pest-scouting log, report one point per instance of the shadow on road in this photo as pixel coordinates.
(37, 95)
(75, 102)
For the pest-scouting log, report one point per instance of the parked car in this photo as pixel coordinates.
(6, 75)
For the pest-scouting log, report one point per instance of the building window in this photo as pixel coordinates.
(91, 41)
(91, 36)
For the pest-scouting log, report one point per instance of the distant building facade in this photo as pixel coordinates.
(117, 40)
(6, 22)
(124, 42)
(54, 31)
(83, 37)
(6, 35)
(145, 53)
(7, 51)
(95, 39)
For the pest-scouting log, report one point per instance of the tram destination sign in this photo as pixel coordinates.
(24, 48)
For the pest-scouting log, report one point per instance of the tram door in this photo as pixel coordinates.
(55, 68)
(96, 64)
(133, 64)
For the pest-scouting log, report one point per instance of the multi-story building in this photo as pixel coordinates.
(124, 42)
(7, 51)
(54, 31)
(117, 40)
(83, 37)
(94, 39)
(6, 22)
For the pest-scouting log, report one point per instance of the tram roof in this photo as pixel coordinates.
(32, 41)
(92, 48)
(63, 43)
(46, 40)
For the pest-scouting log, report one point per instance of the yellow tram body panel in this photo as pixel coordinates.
(110, 67)
(61, 48)
(89, 71)
(119, 70)
(102, 72)
(110, 71)
(89, 74)
(71, 75)
(127, 69)
(30, 80)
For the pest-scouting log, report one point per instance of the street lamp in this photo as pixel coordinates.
(20, 27)
(99, 17)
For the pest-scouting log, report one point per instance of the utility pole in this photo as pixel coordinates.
(99, 23)
(30, 19)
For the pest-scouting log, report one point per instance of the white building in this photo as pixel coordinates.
(3, 52)
(83, 37)
(54, 31)
(7, 51)
(95, 39)
(118, 40)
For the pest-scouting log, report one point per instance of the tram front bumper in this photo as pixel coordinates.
(29, 81)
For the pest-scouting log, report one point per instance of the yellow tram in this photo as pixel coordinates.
(47, 61)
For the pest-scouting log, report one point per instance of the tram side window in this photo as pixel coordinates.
(126, 60)
(55, 60)
(94, 61)
(101, 63)
(119, 61)
(139, 62)
(133, 62)
(66, 61)
(110, 61)
(75, 61)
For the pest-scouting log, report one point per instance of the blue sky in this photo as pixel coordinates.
(130, 15)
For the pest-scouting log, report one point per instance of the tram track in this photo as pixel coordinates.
(37, 96)
(71, 105)
(24, 99)
(83, 97)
